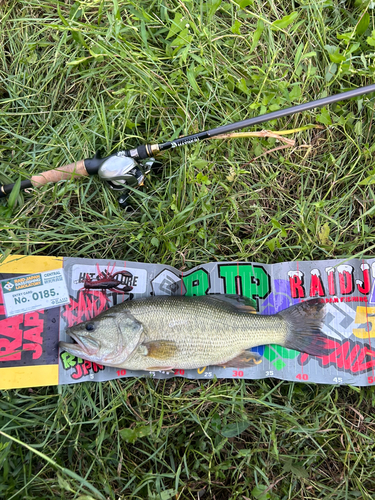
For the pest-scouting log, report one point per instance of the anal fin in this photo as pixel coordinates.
(245, 359)
(159, 368)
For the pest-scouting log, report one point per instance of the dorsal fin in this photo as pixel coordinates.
(239, 302)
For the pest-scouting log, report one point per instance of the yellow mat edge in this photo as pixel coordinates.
(23, 264)
(17, 377)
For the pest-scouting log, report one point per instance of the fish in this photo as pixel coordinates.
(179, 332)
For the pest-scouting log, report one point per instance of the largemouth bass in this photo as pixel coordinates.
(173, 332)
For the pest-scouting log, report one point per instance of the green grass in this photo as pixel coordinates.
(111, 75)
(231, 439)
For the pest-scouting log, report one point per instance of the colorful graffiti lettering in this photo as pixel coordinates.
(197, 283)
(248, 280)
(82, 366)
(19, 334)
(87, 305)
(276, 354)
(346, 281)
(279, 299)
(345, 356)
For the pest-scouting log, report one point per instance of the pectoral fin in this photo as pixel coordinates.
(159, 349)
(245, 359)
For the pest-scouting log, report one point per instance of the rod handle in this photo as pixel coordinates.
(60, 174)
(57, 174)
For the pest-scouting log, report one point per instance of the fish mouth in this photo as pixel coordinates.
(79, 347)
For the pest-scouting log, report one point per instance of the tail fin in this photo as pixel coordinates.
(305, 321)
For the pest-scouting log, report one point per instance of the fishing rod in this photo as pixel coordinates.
(128, 168)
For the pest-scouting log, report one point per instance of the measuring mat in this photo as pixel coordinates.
(41, 296)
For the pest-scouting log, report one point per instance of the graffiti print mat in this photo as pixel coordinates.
(28, 342)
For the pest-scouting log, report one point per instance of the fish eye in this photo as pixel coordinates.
(90, 327)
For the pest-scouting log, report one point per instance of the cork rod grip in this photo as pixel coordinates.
(60, 174)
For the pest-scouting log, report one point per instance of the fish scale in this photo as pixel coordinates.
(191, 332)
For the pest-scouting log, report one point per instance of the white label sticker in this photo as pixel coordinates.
(103, 275)
(34, 292)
